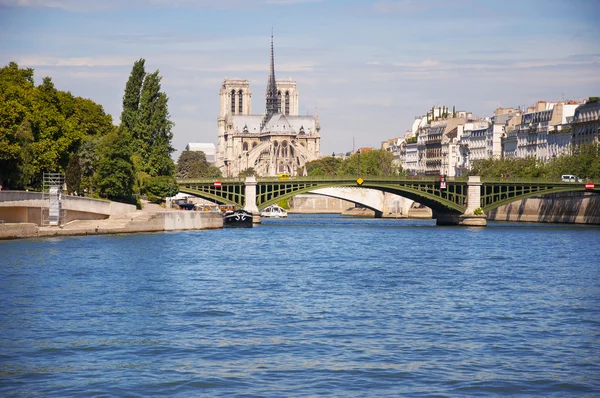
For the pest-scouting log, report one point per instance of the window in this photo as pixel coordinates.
(233, 102)
(287, 102)
(279, 101)
(240, 102)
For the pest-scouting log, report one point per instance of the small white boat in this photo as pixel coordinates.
(273, 211)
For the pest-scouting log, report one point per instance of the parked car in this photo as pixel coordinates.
(570, 178)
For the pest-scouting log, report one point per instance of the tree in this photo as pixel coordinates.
(73, 174)
(192, 164)
(376, 162)
(40, 127)
(145, 114)
(16, 93)
(249, 172)
(158, 188)
(154, 128)
(88, 159)
(329, 165)
(131, 98)
(115, 172)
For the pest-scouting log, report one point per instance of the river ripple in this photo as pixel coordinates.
(307, 306)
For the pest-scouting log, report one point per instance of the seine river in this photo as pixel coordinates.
(306, 306)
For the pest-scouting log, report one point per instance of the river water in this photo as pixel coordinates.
(305, 306)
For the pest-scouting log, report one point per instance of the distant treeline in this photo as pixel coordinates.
(584, 162)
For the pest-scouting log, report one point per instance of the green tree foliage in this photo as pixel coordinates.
(373, 162)
(158, 188)
(131, 98)
(583, 162)
(115, 173)
(326, 166)
(40, 127)
(249, 172)
(193, 164)
(73, 174)
(88, 159)
(145, 114)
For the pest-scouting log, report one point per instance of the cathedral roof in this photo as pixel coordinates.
(281, 123)
(249, 123)
(278, 123)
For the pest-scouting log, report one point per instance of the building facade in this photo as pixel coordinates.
(276, 142)
(586, 124)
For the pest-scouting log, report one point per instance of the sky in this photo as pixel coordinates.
(368, 66)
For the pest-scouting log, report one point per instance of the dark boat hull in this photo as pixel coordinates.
(237, 219)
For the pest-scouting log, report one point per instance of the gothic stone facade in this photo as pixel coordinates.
(278, 142)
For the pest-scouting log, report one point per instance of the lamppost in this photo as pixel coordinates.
(358, 152)
(333, 163)
(239, 166)
(247, 156)
(226, 162)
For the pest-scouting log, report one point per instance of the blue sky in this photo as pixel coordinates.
(369, 67)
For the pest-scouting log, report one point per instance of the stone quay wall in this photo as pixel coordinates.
(27, 207)
(130, 223)
(569, 208)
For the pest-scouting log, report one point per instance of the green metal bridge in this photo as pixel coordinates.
(451, 196)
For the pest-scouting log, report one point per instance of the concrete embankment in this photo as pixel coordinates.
(569, 208)
(140, 221)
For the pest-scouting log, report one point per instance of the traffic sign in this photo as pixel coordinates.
(589, 185)
(443, 185)
(217, 184)
(360, 181)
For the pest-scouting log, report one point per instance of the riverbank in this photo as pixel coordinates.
(152, 218)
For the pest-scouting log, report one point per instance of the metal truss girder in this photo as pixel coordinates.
(452, 197)
(496, 194)
(227, 193)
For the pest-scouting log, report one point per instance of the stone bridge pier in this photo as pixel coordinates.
(250, 199)
(468, 218)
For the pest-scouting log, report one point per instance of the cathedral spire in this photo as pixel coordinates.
(272, 97)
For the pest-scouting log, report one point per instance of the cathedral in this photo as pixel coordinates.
(276, 142)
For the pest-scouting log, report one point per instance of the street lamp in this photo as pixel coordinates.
(226, 162)
(247, 156)
(333, 163)
(358, 152)
(239, 166)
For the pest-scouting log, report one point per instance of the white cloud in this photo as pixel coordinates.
(77, 62)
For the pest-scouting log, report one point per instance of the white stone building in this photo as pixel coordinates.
(537, 128)
(209, 150)
(586, 123)
(278, 141)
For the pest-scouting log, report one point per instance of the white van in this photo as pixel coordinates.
(570, 178)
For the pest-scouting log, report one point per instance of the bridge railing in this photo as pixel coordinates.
(322, 178)
(528, 180)
(346, 178)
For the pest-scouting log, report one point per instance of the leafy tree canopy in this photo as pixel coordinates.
(193, 164)
(115, 173)
(583, 162)
(40, 127)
